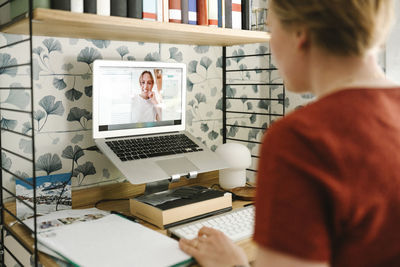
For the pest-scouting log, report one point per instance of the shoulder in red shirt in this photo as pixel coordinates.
(328, 186)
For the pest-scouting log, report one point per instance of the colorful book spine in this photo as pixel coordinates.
(135, 9)
(212, 13)
(175, 9)
(236, 14)
(5, 12)
(202, 18)
(61, 4)
(193, 12)
(165, 11)
(119, 8)
(228, 13)
(220, 12)
(77, 6)
(19, 7)
(246, 15)
(185, 11)
(90, 6)
(104, 7)
(159, 10)
(150, 10)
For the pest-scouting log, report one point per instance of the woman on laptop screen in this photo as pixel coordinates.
(146, 105)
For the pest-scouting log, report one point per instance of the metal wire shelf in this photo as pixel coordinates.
(270, 116)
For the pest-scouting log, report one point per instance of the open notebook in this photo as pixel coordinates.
(91, 237)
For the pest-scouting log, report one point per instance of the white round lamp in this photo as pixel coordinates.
(238, 157)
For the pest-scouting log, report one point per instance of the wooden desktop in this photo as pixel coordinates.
(87, 198)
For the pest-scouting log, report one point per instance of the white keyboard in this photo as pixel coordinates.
(237, 224)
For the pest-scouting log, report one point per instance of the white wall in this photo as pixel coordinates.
(393, 49)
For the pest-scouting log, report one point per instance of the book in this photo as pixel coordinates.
(77, 6)
(119, 8)
(135, 9)
(82, 237)
(193, 12)
(202, 10)
(165, 10)
(220, 14)
(185, 11)
(212, 13)
(175, 9)
(150, 10)
(160, 10)
(19, 7)
(53, 192)
(236, 14)
(90, 6)
(61, 4)
(228, 13)
(103, 7)
(56, 219)
(246, 14)
(4, 12)
(171, 207)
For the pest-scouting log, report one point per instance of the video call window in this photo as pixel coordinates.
(139, 97)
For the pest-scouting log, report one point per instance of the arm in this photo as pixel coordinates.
(213, 248)
(158, 76)
(266, 257)
(157, 106)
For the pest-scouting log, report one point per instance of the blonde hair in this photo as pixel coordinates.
(343, 27)
(146, 72)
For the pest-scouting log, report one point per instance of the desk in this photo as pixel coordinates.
(87, 197)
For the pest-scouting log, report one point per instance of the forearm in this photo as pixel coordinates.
(158, 113)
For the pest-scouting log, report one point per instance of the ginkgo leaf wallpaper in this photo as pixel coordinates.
(62, 84)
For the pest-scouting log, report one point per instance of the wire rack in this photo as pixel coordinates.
(262, 101)
(8, 133)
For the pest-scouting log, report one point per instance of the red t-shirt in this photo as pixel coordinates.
(328, 186)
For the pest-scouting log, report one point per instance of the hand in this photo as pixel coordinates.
(158, 73)
(214, 248)
(152, 97)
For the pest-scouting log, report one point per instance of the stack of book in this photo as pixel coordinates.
(176, 206)
(234, 14)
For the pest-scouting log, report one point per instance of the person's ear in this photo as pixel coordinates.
(302, 39)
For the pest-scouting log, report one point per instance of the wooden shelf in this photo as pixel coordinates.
(58, 23)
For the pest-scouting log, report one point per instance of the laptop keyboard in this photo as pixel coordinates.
(154, 146)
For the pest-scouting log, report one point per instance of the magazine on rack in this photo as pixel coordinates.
(92, 237)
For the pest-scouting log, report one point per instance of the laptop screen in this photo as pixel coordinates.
(131, 97)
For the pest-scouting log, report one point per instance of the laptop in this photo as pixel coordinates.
(139, 121)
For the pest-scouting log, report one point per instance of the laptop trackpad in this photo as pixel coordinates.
(177, 166)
